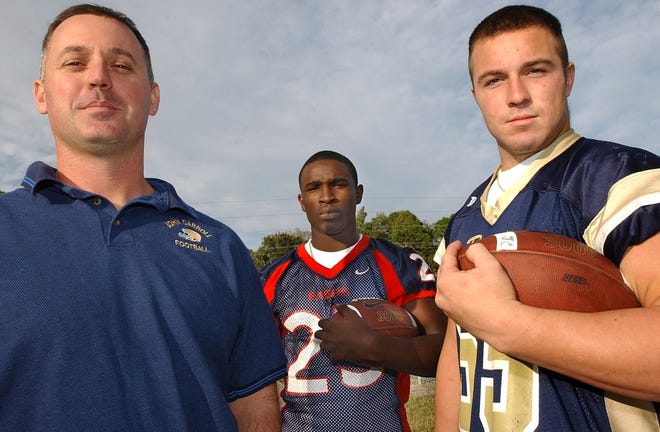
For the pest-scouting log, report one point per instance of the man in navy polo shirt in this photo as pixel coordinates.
(121, 307)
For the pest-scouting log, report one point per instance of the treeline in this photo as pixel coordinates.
(400, 227)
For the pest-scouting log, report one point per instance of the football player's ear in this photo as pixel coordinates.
(302, 203)
(359, 191)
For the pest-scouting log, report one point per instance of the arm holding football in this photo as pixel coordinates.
(349, 337)
(612, 350)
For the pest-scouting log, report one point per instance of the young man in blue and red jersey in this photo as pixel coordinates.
(342, 376)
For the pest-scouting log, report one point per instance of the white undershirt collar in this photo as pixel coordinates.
(329, 259)
(504, 179)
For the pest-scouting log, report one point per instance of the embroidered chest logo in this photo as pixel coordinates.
(189, 235)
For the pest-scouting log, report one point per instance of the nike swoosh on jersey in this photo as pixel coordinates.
(361, 272)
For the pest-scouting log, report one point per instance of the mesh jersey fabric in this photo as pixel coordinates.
(321, 394)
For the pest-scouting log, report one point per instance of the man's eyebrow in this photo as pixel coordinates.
(538, 62)
(73, 49)
(526, 65)
(76, 49)
(490, 73)
(122, 52)
(312, 183)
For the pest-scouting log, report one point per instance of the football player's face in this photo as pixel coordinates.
(329, 196)
(521, 87)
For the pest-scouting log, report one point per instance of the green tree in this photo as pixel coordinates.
(439, 227)
(360, 218)
(405, 229)
(276, 245)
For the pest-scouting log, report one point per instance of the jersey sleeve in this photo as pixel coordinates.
(630, 215)
(270, 275)
(406, 274)
(622, 201)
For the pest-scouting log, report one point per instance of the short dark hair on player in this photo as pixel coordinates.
(330, 155)
(92, 9)
(519, 17)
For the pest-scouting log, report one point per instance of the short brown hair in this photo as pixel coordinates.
(92, 9)
(511, 18)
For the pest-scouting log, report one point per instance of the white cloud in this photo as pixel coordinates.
(250, 89)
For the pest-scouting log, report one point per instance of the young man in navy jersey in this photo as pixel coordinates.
(342, 376)
(122, 308)
(510, 367)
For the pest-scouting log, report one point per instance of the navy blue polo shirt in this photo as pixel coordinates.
(147, 318)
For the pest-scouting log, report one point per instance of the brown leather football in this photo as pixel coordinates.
(556, 272)
(384, 317)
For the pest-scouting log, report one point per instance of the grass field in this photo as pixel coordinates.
(420, 413)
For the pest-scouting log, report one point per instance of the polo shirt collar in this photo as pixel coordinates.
(40, 175)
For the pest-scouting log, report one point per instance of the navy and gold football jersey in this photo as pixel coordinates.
(325, 395)
(601, 193)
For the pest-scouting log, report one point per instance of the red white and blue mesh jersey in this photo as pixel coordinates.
(321, 394)
(603, 194)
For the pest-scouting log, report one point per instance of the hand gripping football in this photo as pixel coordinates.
(556, 272)
(385, 317)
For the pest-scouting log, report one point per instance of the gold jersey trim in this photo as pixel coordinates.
(628, 414)
(492, 212)
(625, 197)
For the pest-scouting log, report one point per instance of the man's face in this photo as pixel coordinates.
(329, 197)
(521, 88)
(95, 89)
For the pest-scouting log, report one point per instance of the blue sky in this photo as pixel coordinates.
(250, 89)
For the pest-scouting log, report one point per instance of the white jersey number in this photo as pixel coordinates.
(505, 390)
(353, 378)
(425, 273)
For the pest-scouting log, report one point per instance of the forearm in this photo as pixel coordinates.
(618, 351)
(416, 356)
(258, 412)
(350, 338)
(447, 384)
